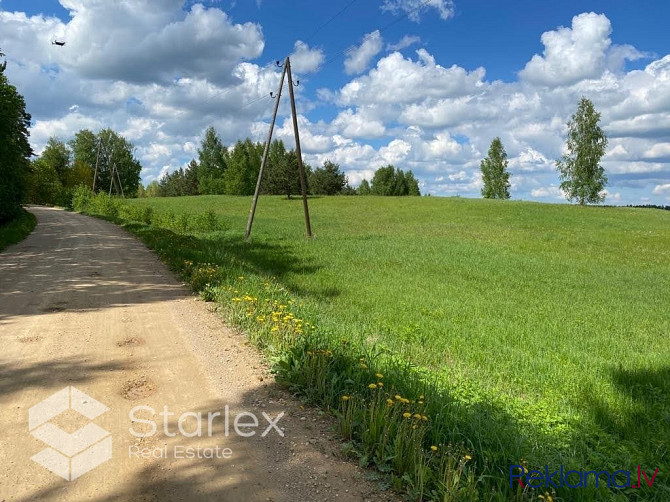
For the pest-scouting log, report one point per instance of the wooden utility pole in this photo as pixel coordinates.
(252, 212)
(97, 160)
(303, 184)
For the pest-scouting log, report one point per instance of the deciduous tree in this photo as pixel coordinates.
(494, 172)
(582, 177)
(15, 149)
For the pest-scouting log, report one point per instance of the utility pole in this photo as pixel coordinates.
(97, 160)
(252, 212)
(303, 185)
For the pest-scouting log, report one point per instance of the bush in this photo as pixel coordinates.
(81, 198)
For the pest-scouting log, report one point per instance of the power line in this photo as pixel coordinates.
(339, 13)
(381, 30)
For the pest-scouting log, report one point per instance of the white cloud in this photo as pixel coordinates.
(358, 125)
(413, 8)
(127, 41)
(399, 80)
(549, 191)
(662, 189)
(403, 43)
(571, 54)
(658, 151)
(611, 197)
(304, 59)
(359, 58)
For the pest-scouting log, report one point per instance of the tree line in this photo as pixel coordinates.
(101, 162)
(234, 171)
(582, 177)
(15, 150)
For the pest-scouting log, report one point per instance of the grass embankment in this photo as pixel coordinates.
(17, 229)
(537, 334)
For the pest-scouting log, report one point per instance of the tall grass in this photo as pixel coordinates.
(16, 230)
(525, 334)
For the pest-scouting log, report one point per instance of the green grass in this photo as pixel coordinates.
(542, 330)
(17, 229)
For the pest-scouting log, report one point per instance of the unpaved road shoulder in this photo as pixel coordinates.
(84, 305)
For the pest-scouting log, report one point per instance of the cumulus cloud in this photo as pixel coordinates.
(662, 190)
(401, 80)
(583, 51)
(304, 59)
(127, 41)
(413, 8)
(549, 191)
(358, 125)
(571, 54)
(359, 58)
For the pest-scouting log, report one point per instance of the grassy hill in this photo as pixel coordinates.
(546, 327)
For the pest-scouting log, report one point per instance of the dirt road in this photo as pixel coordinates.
(88, 314)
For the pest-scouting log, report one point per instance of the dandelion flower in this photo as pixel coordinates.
(380, 384)
(379, 375)
(407, 414)
(364, 366)
(398, 397)
(434, 448)
(372, 386)
(345, 398)
(417, 416)
(468, 457)
(421, 396)
(389, 402)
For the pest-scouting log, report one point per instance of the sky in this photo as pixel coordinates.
(421, 84)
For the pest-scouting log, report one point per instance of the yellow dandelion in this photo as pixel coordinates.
(380, 384)
(274, 329)
(345, 398)
(379, 375)
(434, 448)
(468, 457)
(372, 386)
(389, 402)
(407, 415)
(424, 418)
(421, 396)
(398, 397)
(364, 366)
(417, 416)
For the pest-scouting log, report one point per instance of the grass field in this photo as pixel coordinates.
(545, 328)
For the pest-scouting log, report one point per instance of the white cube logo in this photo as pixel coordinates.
(70, 455)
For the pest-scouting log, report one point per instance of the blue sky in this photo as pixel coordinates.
(428, 92)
